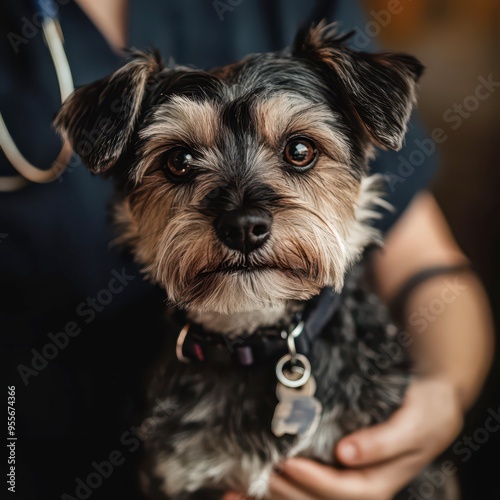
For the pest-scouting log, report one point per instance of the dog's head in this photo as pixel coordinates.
(246, 185)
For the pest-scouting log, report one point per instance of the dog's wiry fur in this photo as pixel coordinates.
(236, 122)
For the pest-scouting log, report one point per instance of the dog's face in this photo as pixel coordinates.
(246, 185)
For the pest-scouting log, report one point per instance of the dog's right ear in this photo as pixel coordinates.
(379, 88)
(99, 119)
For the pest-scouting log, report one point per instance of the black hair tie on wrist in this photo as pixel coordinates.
(397, 304)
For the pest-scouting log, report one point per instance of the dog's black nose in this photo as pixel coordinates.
(243, 230)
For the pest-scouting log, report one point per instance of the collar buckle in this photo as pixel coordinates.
(293, 359)
(290, 339)
(180, 344)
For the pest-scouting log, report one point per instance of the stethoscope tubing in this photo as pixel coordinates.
(53, 36)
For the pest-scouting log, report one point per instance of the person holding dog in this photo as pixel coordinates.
(453, 350)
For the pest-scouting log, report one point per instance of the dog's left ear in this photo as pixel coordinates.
(380, 88)
(99, 119)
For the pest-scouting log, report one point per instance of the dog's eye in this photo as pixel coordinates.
(179, 161)
(300, 152)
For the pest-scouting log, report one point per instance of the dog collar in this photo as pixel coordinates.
(265, 344)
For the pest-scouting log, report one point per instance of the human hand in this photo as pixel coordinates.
(382, 459)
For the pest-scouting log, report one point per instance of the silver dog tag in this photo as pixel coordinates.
(298, 412)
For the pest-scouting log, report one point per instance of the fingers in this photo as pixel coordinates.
(397, 436)
(312, 477)
(427, 422)
(375, 483)
(231, 495)
(281, 488)
(327, 482)
(304, 479)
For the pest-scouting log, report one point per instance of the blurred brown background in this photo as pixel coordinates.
(459, 43)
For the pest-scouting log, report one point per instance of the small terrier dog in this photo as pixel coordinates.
(245, 194)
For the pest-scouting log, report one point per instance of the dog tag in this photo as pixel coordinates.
(298, 412)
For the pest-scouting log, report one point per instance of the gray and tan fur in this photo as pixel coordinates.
(231, 127)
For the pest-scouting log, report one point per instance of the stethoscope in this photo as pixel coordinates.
(28, 172)
(54, 39)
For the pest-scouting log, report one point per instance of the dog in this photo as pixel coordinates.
(245, 194)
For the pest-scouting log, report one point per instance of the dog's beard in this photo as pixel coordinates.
(307, 250)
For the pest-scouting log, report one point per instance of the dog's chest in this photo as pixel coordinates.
(219, 433)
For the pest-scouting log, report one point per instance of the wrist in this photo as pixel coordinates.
(460, 390)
